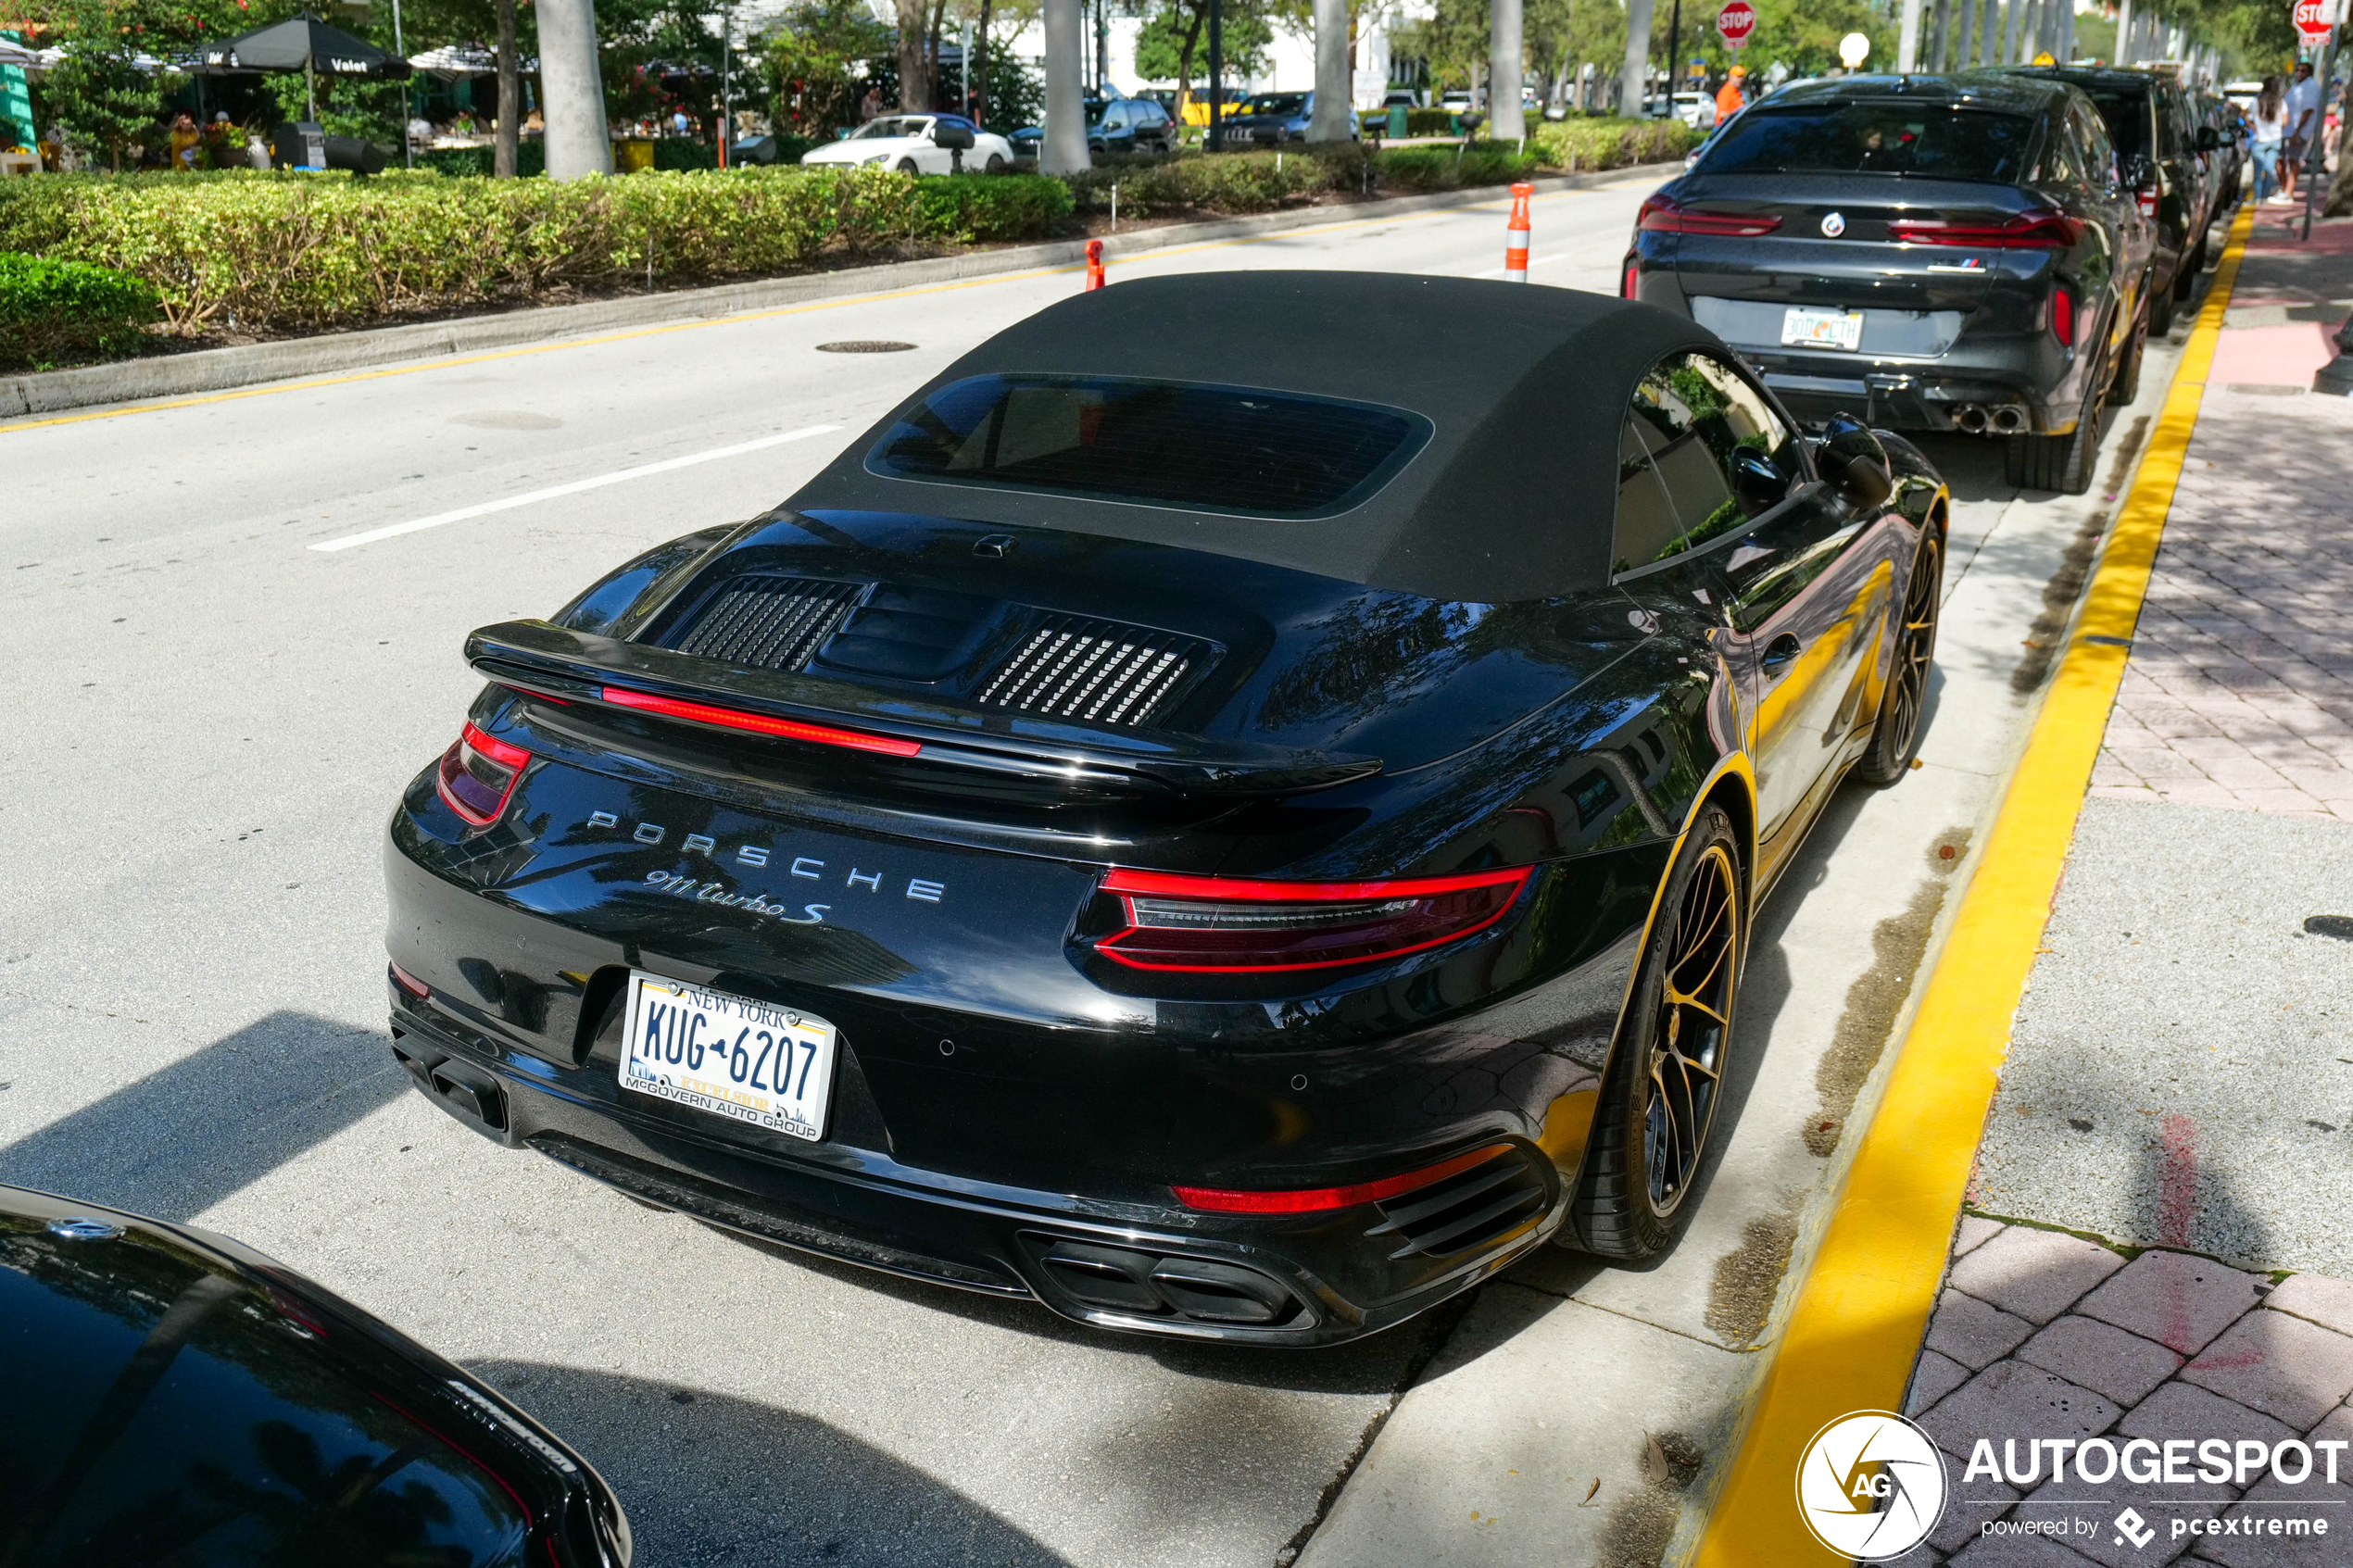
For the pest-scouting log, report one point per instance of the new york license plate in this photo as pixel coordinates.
(747, 1060)
(1822, 328)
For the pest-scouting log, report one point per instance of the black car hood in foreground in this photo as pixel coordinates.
(1510, 499)
(172, 1396)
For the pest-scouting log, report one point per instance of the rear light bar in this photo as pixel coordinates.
(478, 775)
(1232, 925)
(1662, 214)
(1316, 1200)
(2026, 231)
(758, 723)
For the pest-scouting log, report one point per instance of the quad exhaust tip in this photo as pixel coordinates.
(1970, 418)
(2010, 419)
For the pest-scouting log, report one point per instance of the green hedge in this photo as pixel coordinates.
(277, 253)
(1610, 143)
(58, 312)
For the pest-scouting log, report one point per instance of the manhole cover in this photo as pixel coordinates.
(865, 345)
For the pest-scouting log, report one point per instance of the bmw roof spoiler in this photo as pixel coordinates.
(540, 659)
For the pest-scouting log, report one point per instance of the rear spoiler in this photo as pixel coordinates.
(539, 659)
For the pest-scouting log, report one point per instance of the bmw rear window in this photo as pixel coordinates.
(1935, 141)
(1170, 444)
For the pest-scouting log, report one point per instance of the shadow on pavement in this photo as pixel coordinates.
(180, 1140)
(706, 1478)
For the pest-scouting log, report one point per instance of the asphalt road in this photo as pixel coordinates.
(209, 721)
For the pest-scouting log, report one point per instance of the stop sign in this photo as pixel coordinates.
(1738, 20)
(2311, 18)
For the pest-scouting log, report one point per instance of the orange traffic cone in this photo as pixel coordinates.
(1095, 265)
(1515, 236)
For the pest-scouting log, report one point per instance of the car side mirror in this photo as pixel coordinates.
(2209, 139)
(1854, 463)
(955, 138)
(1758, 482)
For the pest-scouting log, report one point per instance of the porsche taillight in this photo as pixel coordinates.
(478, 775)
(1235, 925)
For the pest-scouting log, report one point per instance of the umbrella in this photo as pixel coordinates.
(309, 46)
(465, 59)
(15, 54)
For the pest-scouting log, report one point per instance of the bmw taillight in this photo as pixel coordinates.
(1662, 214)
(1233, 925)
(2037, 230)
(2063, 318)
(478, 775)
(2149, 202)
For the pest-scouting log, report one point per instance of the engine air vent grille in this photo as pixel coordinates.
(767, 622)
(1465, 1211)
(1101, 672)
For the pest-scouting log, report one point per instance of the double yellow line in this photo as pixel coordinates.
(1856, 1326)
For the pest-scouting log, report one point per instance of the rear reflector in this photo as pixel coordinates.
(1662, 215)
(410, 983)
(2037, 230)
(1313, 1201)
(1231, 925)
(2063, 317)
(759, 724)
(478, 775)
(1630, 286)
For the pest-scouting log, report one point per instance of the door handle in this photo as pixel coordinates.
(1780, 653)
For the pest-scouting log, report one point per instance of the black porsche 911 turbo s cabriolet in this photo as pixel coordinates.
(1209, 814)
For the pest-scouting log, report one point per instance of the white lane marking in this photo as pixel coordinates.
(530, 497)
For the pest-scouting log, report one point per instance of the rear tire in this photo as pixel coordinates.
(2185, 275)
(2063, 463)
(1650, 1130)
(2128, 380)
(2160, 312)
(1895, 736)
(907, 165)
(996, 163)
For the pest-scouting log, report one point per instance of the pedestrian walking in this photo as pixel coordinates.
(2303, 124)
(870, 106)
(2269, 132)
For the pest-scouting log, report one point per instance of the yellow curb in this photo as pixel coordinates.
(1856, 1326)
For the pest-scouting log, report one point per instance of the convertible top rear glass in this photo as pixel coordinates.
(1212, 448)
(1936, 140)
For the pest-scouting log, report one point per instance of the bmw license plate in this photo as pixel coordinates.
(1822, 328)
(749, 1062)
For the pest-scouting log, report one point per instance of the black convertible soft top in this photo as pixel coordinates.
(1524, 388)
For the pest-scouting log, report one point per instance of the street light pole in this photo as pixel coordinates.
(408, 147)
(1216, 75)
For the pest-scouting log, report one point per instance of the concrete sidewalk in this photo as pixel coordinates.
(2156, 1237)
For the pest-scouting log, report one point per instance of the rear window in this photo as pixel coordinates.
(1933, 140)
(2126, 115)
(1277, 103)
(1172, 444)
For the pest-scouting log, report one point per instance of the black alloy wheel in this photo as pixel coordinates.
(995, 163)
(1651, 1126)
(1895, 737)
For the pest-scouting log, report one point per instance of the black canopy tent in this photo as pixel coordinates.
(307, 45)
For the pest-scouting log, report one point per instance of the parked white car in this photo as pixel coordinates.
(917, 143)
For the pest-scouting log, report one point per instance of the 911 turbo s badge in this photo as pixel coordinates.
(716, 893)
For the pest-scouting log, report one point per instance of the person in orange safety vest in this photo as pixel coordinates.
(1729, 100)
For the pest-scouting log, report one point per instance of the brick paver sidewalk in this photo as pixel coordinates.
(2180, 1080)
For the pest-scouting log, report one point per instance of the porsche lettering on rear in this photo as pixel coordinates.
(868, 879)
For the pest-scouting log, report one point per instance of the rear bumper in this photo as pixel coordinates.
(1894, 395)
(1307, 1281)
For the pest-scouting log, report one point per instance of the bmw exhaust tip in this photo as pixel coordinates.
(2010, 419)
(1970, 418)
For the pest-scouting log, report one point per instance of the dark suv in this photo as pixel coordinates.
(2163, 148)
(1943, 253)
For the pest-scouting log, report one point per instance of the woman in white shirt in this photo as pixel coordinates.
(2270, 130)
